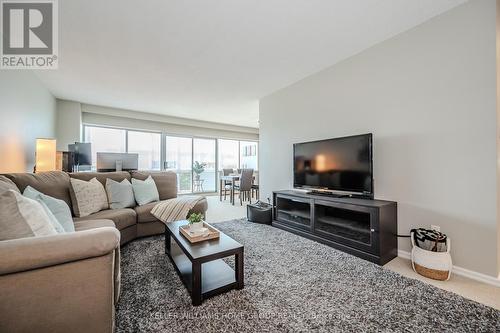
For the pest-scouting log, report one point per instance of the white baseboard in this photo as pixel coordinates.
(462, 272)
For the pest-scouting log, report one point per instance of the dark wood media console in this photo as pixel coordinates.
(362, 227)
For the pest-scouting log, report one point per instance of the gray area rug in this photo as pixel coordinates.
(291, 285)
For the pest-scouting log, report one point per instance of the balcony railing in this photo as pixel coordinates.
(185, 181)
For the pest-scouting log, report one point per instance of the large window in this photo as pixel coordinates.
(148, 146)
(195, 160)
(234, 154)
(113, 140)
(179, 159)
(105, 140)
(228, 154)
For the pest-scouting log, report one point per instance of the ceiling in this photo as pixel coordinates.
(213, 60)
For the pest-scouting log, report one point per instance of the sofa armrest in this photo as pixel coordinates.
(36, 252)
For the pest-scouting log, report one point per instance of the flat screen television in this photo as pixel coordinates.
(340, 164)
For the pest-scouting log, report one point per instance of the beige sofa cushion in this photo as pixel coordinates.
(122, 218)
(166, 182)
(53, 183)
(144, 213)
(88, 197)
(21, 217)
(117, 176)
(92, 224)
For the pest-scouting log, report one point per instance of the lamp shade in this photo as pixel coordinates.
(45, 155)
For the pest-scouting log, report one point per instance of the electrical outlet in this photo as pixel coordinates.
(435, 227)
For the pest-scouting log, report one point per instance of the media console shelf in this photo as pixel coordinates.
(362, 227)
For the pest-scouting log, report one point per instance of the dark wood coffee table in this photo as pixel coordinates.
(200, 265)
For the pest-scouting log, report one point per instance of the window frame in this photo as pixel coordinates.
(162, 157)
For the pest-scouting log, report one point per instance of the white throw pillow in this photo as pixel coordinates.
(145, 191)
(88, 197)
(58, 208)
(22, 217)
(120, 195)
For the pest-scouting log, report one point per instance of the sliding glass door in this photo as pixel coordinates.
(193, 160)
(204, 167)
(179, 159)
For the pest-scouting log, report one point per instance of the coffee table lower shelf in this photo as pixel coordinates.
(206, 276)
(217, 276)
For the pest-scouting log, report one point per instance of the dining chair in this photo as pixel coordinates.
(227, 184)
(245, 185)
(255, 186)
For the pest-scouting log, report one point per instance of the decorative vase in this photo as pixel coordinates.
(194, 227)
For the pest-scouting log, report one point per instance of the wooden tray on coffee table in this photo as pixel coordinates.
(212, 233)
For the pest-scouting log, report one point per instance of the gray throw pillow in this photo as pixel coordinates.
(52, 219)
(145, 191)
(22, 217)
(120, 195)
(57, 207)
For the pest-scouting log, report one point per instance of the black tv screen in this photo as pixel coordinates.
(340, 164)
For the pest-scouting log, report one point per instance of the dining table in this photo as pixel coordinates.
(229, 178)
(232, 179)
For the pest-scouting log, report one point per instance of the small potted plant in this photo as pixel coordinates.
(198, 169)
(195, 221)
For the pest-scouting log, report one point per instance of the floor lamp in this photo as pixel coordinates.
(45, 155)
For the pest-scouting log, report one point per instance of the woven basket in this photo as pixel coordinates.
(434, 265)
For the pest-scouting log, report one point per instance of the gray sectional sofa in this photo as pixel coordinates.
(70, 282)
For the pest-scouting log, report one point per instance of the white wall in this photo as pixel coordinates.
(27, 112)
(429, 98)
(93, 114)
(498, 133)
(71, 116)
(68, 124)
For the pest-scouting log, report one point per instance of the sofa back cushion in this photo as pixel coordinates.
(166, 182)
(52, 183)
(117, 176)
(22, 217)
